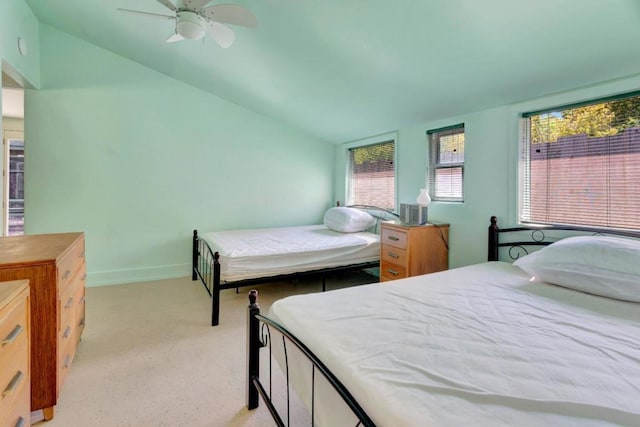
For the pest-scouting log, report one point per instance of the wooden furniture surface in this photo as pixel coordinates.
(55, 267)
(14, 353)
(407, 250)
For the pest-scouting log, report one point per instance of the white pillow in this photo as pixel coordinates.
(600, 265)
(348, 220)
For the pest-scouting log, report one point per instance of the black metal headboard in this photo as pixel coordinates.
(519, 240)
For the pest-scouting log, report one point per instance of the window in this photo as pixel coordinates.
(446, 163)
(16, 187)
(372, 177)
(580, 164)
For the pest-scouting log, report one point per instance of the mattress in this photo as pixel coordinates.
(480, 345)
(247, 254)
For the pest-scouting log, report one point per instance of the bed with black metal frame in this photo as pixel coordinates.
(260, 328)
(206, 266)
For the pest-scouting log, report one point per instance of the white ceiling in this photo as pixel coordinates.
(348, 69)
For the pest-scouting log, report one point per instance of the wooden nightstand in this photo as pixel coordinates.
(407, 250)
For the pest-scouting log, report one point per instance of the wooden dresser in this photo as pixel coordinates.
(412, 250)
(55, 267)
(14, 353)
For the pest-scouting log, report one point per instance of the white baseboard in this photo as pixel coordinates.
(145, 274)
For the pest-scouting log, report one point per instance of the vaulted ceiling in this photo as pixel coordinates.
(348, 69)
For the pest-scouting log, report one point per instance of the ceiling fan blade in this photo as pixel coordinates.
(196, 4)
(175, 37)
(230, 14)
(222, 34)
(150, 14)
(168, 5)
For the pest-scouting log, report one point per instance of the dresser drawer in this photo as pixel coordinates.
(393, 237)
(67, 354)
(19, 413)
(393, 255)
(14, 376)
(76, 282)
(70, 263)
(80, 316)
(13, 326)
(390, 271)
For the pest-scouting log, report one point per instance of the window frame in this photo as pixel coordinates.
(524, 192)
(434, 163)
(377, 140)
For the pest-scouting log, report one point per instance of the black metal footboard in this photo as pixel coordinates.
(206, 267)
(259, 330)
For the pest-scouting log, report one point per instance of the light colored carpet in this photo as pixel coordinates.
(148, 356)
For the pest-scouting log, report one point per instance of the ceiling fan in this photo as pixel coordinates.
(194, 18)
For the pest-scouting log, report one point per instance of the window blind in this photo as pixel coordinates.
(580, 165)
(372, 175)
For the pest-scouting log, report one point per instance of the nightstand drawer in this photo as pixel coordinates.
(390, 271)
(393, 255)
(393, 237)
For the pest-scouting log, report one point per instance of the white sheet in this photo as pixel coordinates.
(247, 254)
(480, 345)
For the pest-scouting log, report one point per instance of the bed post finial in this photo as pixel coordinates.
(253, 349)
(253, 298)
(493, 240)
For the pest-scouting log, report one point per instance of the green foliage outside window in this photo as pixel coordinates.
(597, 120)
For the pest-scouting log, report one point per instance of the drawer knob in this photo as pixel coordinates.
(13, 385)
(394, 238)
(66, 332)
(393, 272)
(21, 422)
(392, 255)
(12, 335)
(66, 274)
(69, 303)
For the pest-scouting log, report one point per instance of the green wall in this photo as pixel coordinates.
(491, 167)
(17, 20)
(137, 160)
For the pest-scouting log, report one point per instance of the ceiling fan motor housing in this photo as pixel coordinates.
(190, 25)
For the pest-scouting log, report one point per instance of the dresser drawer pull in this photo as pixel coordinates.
(395, 273)
(13, 384)
(67, 360)
(12, 335)
(20, 423)
(66, 332)
(394, 238)
(66, 274)
(69, 303)
(392, 255)
(81, 299)
(81, 323)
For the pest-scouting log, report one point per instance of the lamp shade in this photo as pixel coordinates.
(423, 198)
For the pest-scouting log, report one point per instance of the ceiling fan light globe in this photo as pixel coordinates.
(190, 26)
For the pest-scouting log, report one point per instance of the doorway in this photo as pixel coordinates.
(13, 156)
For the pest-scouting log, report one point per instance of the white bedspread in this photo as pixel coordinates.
(476, 346)
(265, 252)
